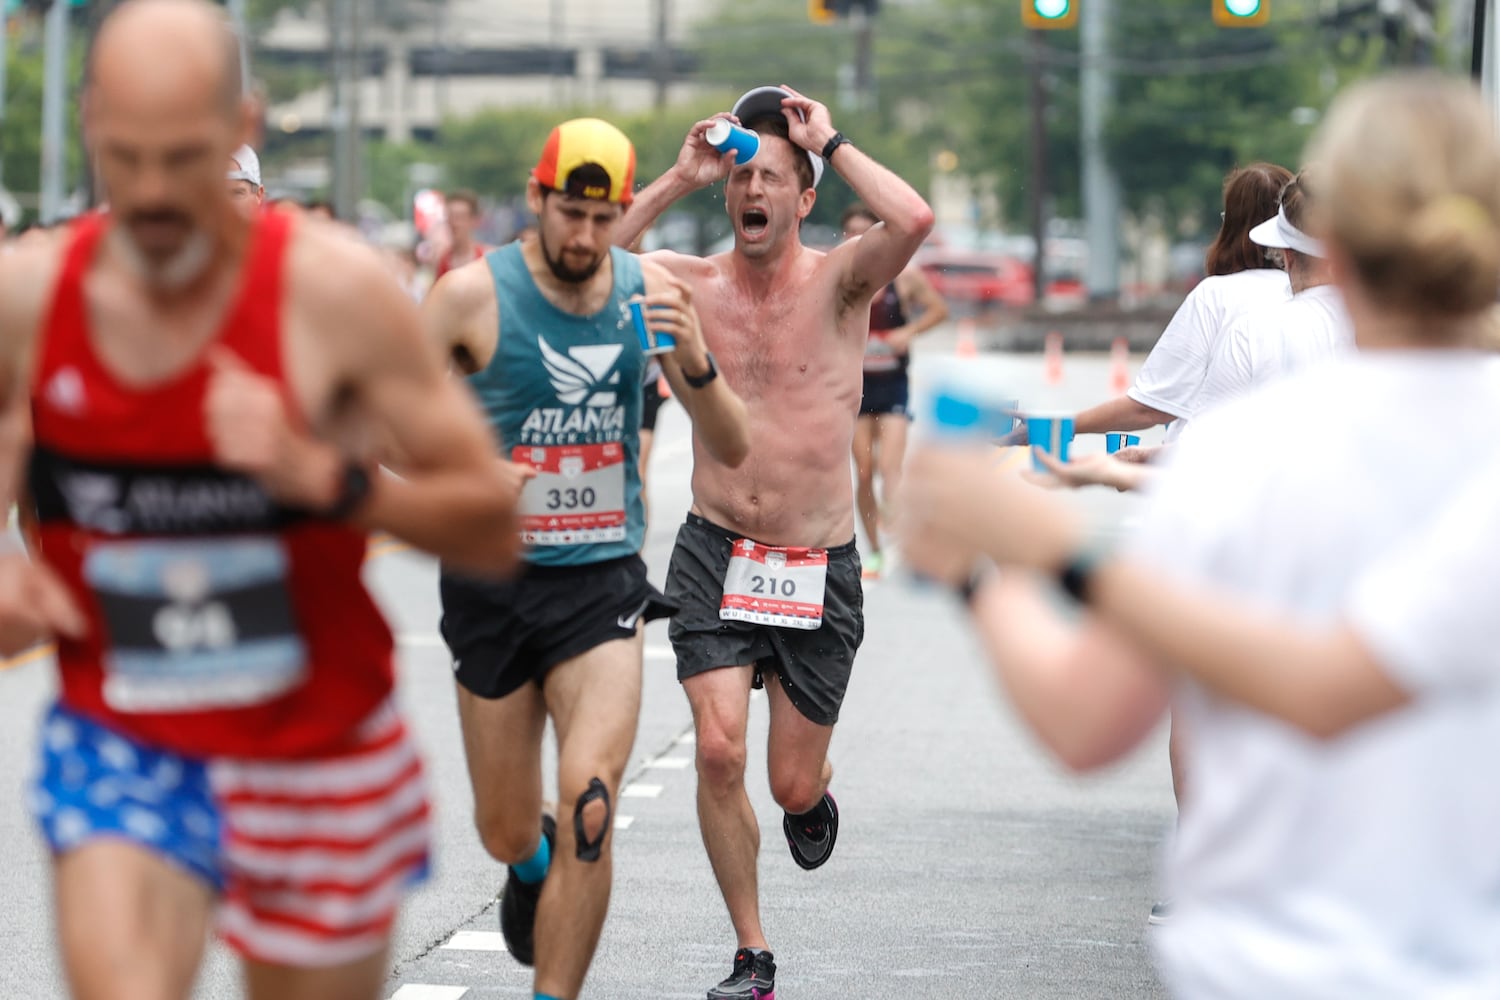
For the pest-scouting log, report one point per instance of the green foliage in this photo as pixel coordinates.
(21, 119)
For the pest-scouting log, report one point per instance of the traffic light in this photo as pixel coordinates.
(1049, 15)
(828, 11)
(1242, 13)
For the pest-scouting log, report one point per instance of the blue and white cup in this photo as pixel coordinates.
(651, 342)
(1115, 440)
(1051, 432)
(725, 136)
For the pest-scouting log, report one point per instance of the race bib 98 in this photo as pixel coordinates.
(195, 624)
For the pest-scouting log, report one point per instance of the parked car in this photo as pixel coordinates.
(979, 277)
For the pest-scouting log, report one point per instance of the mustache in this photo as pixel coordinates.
(150, 216)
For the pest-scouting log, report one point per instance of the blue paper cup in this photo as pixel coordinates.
(724, 135)
(957, 414)
(1116, 440)
(651, 343)
(1051, 432)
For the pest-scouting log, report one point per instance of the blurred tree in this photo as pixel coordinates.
(21, 118)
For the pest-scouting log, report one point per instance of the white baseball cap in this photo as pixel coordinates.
(1280, 234)
(764, 102)
(247, 166)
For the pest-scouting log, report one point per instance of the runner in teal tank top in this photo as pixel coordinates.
(542, 330)
(563, 393)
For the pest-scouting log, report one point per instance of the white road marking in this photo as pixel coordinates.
(687, 740)
(624, 822)
(660, 653)
(476, 941)
(669, 763)
(634, 791)
(421, 640)
(421, 991)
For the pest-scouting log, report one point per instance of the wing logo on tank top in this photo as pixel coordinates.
(585, 375)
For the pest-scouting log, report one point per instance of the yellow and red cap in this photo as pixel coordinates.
(588, 158)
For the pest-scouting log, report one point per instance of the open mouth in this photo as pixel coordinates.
(754, 222)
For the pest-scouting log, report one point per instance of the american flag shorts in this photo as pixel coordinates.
(310, 856)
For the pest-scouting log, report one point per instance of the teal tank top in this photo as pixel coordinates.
(563, 393)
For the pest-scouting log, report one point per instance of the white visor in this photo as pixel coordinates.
(1279, 234)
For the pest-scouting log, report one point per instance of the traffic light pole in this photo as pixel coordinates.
(1101, 189)
(54, 104)
(1037, 52)
(4, 52)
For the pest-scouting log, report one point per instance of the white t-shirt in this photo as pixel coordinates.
(1169, 378)
(1367, 865)
(1427, 612)
(1263, 345)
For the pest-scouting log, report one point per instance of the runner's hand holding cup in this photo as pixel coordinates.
(699, 163)
(670, 313)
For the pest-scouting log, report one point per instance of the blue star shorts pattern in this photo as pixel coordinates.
(94, 783)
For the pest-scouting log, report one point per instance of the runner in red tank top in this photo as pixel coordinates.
(462, 208)
(196, 385)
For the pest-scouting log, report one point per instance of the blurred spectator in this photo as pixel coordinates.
(462, 216)
(245, 185)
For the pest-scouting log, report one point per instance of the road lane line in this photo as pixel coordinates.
(669, 764)
(421, 991)
(634, 791)
(476, 941)
(624, 822)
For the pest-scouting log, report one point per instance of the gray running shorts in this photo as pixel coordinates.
(813, 665)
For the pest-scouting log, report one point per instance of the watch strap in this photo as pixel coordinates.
(834, 143)
(699, 381)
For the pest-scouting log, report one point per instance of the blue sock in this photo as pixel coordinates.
(534, 869)
(547, 996)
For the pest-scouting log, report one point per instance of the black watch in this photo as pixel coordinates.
(1077, 575)
(834, 143)
(699, 381)
(354, 487)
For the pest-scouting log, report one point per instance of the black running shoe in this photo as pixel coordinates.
(518, 906)
(753, 978)
(811, 835)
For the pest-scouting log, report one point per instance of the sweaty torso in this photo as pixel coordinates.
(795, 358)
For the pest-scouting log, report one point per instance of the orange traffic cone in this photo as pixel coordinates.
(967, 346)
(1053, 368)
(1119, 366)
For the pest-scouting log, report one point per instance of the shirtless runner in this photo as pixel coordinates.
(196, 390)
(765, 569)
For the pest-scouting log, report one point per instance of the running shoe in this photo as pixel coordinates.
(1161, 912)
(753, 978)
(518, 906)
(811, 836)
(871, 566)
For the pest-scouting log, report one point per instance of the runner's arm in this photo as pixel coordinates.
(719, 416)
(455, 312)
(916, 290)
(698, 165)
(455, 498)
(875, 259)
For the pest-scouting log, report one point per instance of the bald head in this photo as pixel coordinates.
(161, 46)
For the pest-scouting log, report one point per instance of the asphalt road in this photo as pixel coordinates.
(968, 865)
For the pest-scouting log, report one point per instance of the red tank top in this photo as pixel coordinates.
(220, 622)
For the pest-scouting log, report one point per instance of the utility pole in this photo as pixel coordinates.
(1037, 66)
(864, 46)
(54, 115)
(1101, 189)
(4, 52)
(242, 30)
(662, 53)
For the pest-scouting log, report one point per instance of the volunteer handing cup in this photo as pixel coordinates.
(651, 342)
(725, 136)
(1051, 432)
(1116, 440)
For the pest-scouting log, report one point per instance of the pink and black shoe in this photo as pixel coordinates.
(753, 978)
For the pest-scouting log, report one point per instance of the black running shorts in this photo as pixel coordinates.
(885, 393)
(507, 632)
(651, 400)
(813, 665)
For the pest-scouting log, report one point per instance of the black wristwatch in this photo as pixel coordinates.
(699, 381)
(1076, 576)
(354, 487)
(834, 143)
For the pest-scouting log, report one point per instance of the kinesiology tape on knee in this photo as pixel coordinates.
(589, 849)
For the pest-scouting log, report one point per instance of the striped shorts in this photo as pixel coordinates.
(310, 856)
